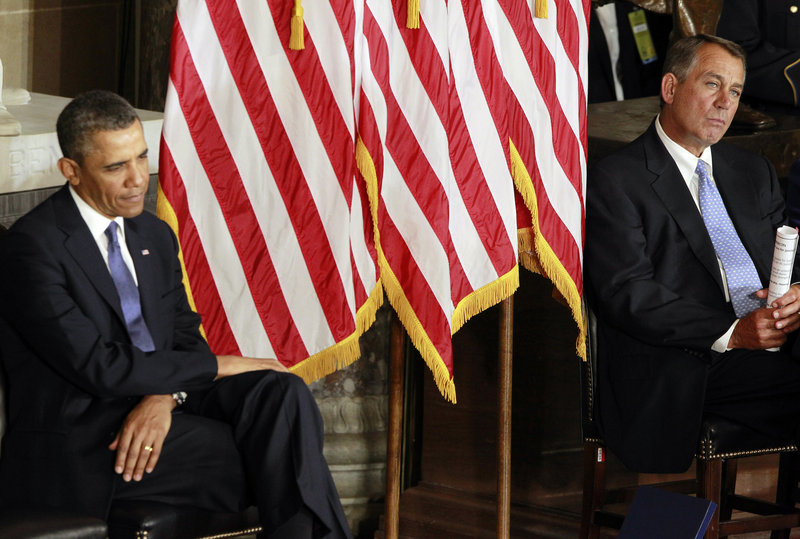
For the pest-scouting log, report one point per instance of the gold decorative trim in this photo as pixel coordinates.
(249, 531)
(789, 80)
(705, 451)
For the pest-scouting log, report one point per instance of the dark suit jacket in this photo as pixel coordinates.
(654, 282)
(769, 32)
(72, 372)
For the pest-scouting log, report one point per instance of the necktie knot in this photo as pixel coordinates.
(111, 233)
(701, 170)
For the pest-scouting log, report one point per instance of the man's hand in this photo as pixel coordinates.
(138, 444)
(768, 327)
(230, 365)
(787, 309)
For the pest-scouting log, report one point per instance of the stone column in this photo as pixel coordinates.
(353, 403)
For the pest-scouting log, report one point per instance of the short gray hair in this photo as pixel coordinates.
(682, 55)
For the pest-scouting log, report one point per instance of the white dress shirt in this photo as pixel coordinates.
(98, 223)
(687, 164)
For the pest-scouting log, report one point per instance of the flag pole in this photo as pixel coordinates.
(504, 359)
(393, 449)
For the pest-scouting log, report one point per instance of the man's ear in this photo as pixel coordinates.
(668, 84)
(70, 170)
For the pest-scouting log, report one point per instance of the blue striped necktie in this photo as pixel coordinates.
(128, 293)
(741, 274)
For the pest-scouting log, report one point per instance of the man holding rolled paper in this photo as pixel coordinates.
(680, 238)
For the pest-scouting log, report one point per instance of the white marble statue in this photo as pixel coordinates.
(9, 126)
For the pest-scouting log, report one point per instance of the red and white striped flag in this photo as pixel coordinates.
(258, 178)
(482, 97)
(281, 167)
(544, 62)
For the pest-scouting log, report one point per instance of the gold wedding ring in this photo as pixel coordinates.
(148, 448)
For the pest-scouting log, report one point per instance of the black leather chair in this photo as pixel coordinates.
(720, 446)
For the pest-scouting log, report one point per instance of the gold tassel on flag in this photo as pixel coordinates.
(412, 20)
(296, 38)
(541, 9)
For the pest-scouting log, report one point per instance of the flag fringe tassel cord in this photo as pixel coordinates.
(296, 38)
(540, 9)
(536, 254)
(412, 14)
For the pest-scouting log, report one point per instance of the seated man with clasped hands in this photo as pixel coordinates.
(680, 230)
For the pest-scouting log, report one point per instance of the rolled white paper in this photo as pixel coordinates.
(782, 263)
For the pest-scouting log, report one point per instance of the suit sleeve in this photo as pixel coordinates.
(62, 321)
(637, 285)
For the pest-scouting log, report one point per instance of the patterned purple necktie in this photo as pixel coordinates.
(743, 280)
(128, 293)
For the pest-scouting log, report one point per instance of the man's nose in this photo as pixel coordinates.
(137, 176)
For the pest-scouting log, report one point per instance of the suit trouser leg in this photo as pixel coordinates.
(278, 431)
(759, 389)
(199, 466)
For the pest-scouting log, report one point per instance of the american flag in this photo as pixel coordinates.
(303, 183)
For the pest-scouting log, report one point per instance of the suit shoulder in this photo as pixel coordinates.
(732, 151)
(146, 222)
(41, 220)
(620, 164)
(741, 159)
(151, 228)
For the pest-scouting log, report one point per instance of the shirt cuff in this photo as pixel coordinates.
(721, 344)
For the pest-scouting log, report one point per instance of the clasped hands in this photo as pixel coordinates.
(139, 442)
(768, 327)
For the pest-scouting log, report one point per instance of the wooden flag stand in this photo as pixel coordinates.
(395, 428)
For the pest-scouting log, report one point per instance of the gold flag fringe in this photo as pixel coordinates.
(296, 40)
(320, 364)
(346, 351)
(412, 15)
(419, 338)
(485, 297)
(541, 258)
(165, 212)
(540, 9)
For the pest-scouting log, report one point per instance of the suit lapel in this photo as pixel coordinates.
(82, 247)
(671, 189)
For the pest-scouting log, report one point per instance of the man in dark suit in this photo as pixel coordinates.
(682, 326)
(113, 392)
(769, 32)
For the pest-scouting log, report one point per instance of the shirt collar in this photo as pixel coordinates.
(686, 160)
(97, 222)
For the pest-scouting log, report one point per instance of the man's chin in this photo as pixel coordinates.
(715, 135)
(130, 212)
